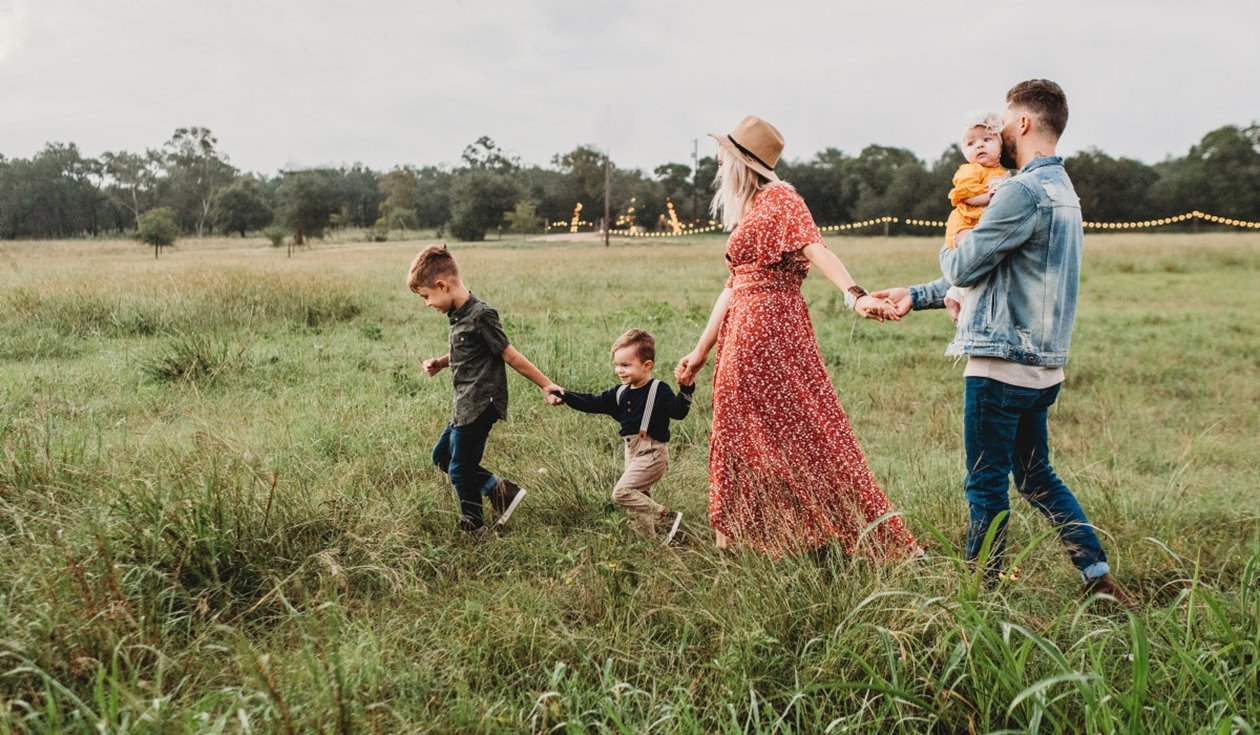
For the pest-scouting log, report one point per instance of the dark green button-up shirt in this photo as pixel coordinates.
(477, 368)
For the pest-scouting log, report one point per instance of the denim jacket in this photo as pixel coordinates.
(1022, 265)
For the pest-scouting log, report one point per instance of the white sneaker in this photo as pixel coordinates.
(506, 496)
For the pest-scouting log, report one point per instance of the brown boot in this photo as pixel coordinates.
(1105, 585)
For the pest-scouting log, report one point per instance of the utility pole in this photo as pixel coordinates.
(695, 180)
(607, 196)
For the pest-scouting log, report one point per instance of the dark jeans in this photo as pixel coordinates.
(1004, 434)
(458, 453)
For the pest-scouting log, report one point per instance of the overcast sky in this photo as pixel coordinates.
(288, 83)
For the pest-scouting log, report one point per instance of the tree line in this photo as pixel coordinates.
(191, 184)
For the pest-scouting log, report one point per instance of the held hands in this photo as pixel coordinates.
(898, 297)
(689, 366)
(872, 306)
(434, 365)
(553, 393)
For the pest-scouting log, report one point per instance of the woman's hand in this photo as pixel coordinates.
(687, 368)
(899, 297)
(877, 309)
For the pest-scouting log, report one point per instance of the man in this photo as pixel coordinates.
(1022, 266)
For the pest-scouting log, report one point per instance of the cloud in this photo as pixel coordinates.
(385, 82)
(12, 26)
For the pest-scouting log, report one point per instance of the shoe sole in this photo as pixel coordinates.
(673, 530)
(507, 512)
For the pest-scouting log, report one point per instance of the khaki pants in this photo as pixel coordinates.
(646, 462)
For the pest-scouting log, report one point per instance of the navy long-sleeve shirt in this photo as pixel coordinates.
(629, 410)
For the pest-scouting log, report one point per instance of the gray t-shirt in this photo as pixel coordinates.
(477, 368)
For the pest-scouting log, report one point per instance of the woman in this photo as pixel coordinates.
(785, 470)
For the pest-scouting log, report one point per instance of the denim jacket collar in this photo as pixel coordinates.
(1040, 161)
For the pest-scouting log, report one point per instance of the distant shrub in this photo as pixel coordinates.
(524, 219)
(158, 228)
(379, 231)
(275, 234)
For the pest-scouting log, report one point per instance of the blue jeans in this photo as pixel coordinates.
(458, 453)
(1004, 434)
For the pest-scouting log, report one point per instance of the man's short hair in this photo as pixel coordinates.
(433, 264)
(1043, 98)
(642, 342)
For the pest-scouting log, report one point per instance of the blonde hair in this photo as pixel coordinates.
(642, 342)
(736, 186)
(433, 264)
(990, 121)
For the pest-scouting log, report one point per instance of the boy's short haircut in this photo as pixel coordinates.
(642, 342)
(433, 264)
(1043, 98)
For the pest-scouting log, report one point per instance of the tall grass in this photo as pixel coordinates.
(217, 512)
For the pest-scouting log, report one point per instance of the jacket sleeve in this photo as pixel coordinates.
(680, 403)
(1007, 224)
(929, 295)
(605, 403)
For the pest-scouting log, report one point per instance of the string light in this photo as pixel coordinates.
(1196, 214)
(673, 216)
(627, 219)
(859, 225)
(682, 230)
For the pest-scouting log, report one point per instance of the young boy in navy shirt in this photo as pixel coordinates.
(644, 407)
(479, 351)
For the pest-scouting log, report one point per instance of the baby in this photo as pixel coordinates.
(974, 184)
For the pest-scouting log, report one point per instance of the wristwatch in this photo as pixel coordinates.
(851, 296)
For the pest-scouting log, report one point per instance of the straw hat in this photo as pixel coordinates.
(755, 142)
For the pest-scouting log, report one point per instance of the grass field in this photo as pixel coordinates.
(217, 512)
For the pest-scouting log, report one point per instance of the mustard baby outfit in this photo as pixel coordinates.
(970, 180)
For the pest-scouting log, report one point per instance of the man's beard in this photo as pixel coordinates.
(1007, 158)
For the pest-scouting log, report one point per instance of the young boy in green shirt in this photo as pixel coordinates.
(479, 349)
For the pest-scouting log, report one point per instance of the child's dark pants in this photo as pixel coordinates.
(458, 453)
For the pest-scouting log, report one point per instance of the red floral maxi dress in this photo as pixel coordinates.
(785, 470)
